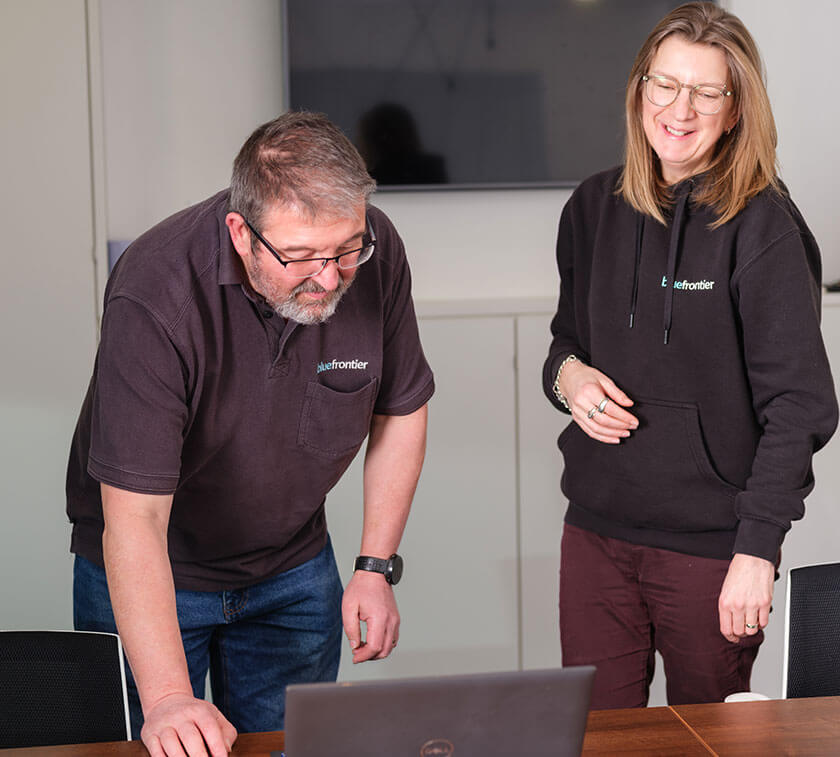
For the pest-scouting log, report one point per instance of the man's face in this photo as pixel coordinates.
(295, 236)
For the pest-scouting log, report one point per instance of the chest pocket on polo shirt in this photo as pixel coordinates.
(332, 423)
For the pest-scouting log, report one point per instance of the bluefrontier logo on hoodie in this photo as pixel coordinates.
(353, 365)
(690, 285)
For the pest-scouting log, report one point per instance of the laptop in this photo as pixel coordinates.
(529, 712)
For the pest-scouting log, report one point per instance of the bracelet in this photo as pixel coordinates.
(556, 387)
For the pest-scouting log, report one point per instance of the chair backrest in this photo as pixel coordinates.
(61, 687)
(812, 632)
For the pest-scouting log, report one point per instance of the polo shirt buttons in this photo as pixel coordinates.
(268, 313)
(280, 368)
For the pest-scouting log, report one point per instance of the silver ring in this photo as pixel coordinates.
(602, 405)
(750, 625)
(591, 413)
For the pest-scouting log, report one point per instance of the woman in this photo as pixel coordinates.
(686, 346)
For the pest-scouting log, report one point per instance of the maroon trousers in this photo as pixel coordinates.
(620, 602)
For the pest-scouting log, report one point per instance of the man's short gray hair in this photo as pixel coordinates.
(300, 160)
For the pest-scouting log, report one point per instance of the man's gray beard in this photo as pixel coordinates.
(313, 313)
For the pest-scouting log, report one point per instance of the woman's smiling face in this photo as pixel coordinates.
(683, 139)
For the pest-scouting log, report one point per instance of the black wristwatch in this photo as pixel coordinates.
(392, 568)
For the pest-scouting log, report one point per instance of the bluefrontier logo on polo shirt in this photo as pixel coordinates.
(352, 365)
(692, 286)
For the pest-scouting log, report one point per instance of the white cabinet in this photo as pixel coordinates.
(542, 505)
(459, 596)
(482, 542)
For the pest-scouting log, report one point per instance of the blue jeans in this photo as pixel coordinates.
(253, 641)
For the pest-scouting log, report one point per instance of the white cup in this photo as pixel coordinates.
(745, 696)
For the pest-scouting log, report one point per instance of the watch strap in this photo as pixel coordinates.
(391, 568)
(373, 564)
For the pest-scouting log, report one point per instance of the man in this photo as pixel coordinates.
(249, 344)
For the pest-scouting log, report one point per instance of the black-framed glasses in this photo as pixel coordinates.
(705, 99)
(309, 267)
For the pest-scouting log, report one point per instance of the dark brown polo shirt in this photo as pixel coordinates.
(202, 392)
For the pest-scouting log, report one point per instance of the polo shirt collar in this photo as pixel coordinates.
(231, 270)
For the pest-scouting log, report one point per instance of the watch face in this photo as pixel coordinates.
(394, 570)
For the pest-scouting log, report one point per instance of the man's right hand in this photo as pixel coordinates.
(143, 598)
(180, 724)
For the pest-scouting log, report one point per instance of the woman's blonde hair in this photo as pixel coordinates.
(744, 162)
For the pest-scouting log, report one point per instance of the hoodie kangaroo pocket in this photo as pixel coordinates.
(660, 477)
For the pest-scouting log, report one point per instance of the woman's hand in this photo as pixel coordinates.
(597, 404)
(746, 596)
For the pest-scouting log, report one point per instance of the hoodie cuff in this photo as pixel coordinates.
(759, 538)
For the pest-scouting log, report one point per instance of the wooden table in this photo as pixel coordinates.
(247, 745)
(650, 731)
(806, 727)
(774, 727)
(778, 726)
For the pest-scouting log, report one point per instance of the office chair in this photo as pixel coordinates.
(811, 665)
(61, 687)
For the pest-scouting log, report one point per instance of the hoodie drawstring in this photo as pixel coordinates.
(673, 249)
(671, 263)
(640, 220)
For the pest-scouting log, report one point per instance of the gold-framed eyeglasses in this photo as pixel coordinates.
(705, 99)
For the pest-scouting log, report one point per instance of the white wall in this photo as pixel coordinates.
(798, 42)
(185, 83)
(47, 299)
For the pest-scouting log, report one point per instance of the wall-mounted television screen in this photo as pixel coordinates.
(470, 93)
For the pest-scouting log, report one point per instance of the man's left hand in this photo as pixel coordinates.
(369, 598)
(744, 602)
